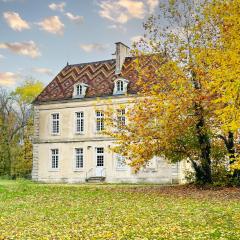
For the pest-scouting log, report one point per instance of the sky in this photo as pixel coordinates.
(39, 37)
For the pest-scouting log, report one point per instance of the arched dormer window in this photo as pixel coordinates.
(120, 86)
(79, 90)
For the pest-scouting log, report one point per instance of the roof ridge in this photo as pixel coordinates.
(86, 63)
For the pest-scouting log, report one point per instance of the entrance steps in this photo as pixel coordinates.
(95, 179)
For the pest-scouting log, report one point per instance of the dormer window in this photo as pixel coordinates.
(120, 86)
(80, 90)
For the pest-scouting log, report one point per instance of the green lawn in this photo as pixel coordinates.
(40, 211)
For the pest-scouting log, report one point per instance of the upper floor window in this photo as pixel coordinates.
(55, 123)
(120, 86)
(55, 158)
(79, 122)
(79, 90)
(121, 118)
(78, 158)
(99, 121)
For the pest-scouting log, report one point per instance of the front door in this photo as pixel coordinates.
(100, 162)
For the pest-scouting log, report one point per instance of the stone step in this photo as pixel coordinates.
(95, 179)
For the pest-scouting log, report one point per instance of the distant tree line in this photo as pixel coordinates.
(16, 129)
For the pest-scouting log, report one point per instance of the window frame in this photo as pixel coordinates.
(119, 168)
(79, 89)
(121, 117)
(75, 168)
(52, 169)
(101, 121)
(100, 155)
(120, 87)
(51, 124)
(82, 122)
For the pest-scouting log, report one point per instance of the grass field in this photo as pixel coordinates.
(40, 211)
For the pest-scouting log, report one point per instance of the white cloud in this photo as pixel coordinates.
(8, 78)
(136, 38)
(152, 4)
(57, 7)
(29, 49)
(74, 18)
(46, 71)
(92, 47)
(121, 11)
(1, 56)
(15, 22)
(52, 25)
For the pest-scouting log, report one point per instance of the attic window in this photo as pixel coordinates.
(120, 86)
(80, 90)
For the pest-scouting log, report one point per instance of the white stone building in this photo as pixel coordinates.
(69, 117)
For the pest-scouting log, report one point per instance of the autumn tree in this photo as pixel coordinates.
(177, 112)
(16, 127)
(222, 59)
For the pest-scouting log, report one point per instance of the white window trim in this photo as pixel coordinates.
(125, 85)
(51, 124)
(50, 160)
(98, 131)
(121, 116)
(125, 168)
(75, 123)
(74, 160)
(100, 154)
(84, 90)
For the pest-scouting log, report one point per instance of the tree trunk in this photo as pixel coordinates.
(229, 143)
(205, 147)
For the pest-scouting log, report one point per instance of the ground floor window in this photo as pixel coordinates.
(78, 158)
(55, 158)
(120, 162)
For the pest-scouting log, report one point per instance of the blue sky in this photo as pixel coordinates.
(38, 37)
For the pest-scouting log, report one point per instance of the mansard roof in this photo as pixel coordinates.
(99, 76)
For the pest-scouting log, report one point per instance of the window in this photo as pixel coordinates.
(78, 158)
(55, 158)
(79, 122)
(152, 164)
(55, 123)
(121, 118)
(120, 86)
(99, 121)
(100, 157)
(121, 164)
(79, 90)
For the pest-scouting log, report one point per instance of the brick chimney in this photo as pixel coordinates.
(122, 51)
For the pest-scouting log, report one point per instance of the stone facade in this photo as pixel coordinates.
(67, 141)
